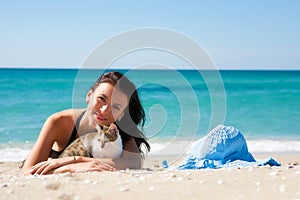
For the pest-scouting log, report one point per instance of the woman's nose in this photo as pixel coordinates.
(104, 108)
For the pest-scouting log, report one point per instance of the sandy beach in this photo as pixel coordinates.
(152, 182)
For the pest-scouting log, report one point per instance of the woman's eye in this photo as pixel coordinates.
(101, 99)
(116, 108)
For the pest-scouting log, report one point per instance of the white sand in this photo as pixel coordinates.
(154, 183)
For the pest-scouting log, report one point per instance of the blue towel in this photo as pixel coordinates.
(222, 147)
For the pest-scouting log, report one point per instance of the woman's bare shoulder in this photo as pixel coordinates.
(66, 116)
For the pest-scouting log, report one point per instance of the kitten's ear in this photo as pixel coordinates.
(105, 129)
(112, 133)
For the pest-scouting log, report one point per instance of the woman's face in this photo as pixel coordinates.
(106, 104)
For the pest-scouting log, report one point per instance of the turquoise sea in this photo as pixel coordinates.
(181, 105)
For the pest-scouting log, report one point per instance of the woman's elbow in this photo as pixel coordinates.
(134, 161)
(137, 162)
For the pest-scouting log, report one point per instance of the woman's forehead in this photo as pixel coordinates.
(112, 92)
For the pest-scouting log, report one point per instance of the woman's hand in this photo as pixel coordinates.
(90, 166)
(67, 164)
(48, 166)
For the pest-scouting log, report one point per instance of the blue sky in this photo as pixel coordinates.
(236, 34)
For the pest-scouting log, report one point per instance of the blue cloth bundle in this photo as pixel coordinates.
(222, 147)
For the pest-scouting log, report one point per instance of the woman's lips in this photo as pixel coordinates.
(99, 117)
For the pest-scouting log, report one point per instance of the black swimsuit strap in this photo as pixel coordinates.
(74, 132)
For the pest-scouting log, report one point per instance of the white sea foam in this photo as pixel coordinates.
(18, 152)
(273, 146)
(14, 152)
(254, 146)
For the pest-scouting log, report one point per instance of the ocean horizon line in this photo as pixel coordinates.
(141, 69)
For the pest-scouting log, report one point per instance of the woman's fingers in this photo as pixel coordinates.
(102, 166)
(91, 166)
(45, 170)
(36, 167)
(43, 167)
(50, 166)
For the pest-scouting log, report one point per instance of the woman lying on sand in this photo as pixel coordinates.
(112, 99)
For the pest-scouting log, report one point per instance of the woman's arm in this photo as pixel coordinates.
(131, 158)
(57, 128)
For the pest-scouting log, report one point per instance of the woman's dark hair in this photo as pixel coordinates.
(134, 114)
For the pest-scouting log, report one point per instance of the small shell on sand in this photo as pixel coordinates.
(10, 191)
(282, 188)
(53, 186)
(257, 183)
(274, 174)
(151, 188)
(124, 189)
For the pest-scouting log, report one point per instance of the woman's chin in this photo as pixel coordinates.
(102, 123)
